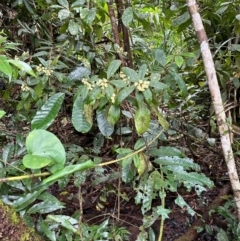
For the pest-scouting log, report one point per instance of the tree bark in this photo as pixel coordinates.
(216, 100)
(13, 228)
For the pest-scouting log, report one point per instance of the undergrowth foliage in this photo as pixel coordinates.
(76, 68)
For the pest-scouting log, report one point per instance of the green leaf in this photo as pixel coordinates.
(181, 203)
(78, 73)
(36, 161)
(63, 3)
(63, 14)
(48, 112)
(26, 200)
(179, 60)
(166, 151)
(23, 66)
(181, 84)
(45, 207)
(79, 120)
(5, 67)
(41, 143)
(73, 27)
(160, 57)
(113, 67)
(128, 170)
(181, 19)
(103, 124)
(131, 74)
(123, 94)
(142, 119)
(2, 113)
(69, 170)
(147, 95)
(140, 163)
(127, 16)
(65, 221)
(113, 114)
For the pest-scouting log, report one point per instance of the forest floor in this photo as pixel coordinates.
(180, 226)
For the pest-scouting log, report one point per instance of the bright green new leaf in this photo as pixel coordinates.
(23, 66)
(5, 67)
(127, 16)
(79, 119)
(36, 161)
(41, 143)
(142, 119)
(2, 113)
(179, 60)
(69, 170)
(113, 67)
(48, 112)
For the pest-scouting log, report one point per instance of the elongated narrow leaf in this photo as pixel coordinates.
(69, 170)
(23, 66)
(46, 115)
(5, 67)
(45, 207)
(103, 124)
(79, 120)
(112, 68)
(181, 84)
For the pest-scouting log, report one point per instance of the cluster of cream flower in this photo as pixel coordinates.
(24, 88)
(142, 85)
(103, 83)
(89, 85)
(113, 98)
(45, 70)
(124, 78)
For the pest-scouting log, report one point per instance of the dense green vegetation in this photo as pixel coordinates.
(130, 76)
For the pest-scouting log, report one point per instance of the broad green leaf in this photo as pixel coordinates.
(8, 151)
(69, 170)
(63, 14)
(36, 161)
(48, 112)
(79, 120)
(113, 114)
(78, 73)
(186, 163)
(45, 144)
(139, 144)
(26, 200)
(179, 60)
(5, 67)
(181, 19)
(90, 16)
(2, 113)
(127, 16)
(142, 71)
(45, 207)
(123, 94)
(160, 56)
(73, 27)
(142, 119)
(104, 126)
(131, 74)
(113, 67)
(128, 170)
(63, 3)
(44, 225)
(147, 95)
(23, 66)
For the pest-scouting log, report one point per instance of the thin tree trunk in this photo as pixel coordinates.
(216, 100)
